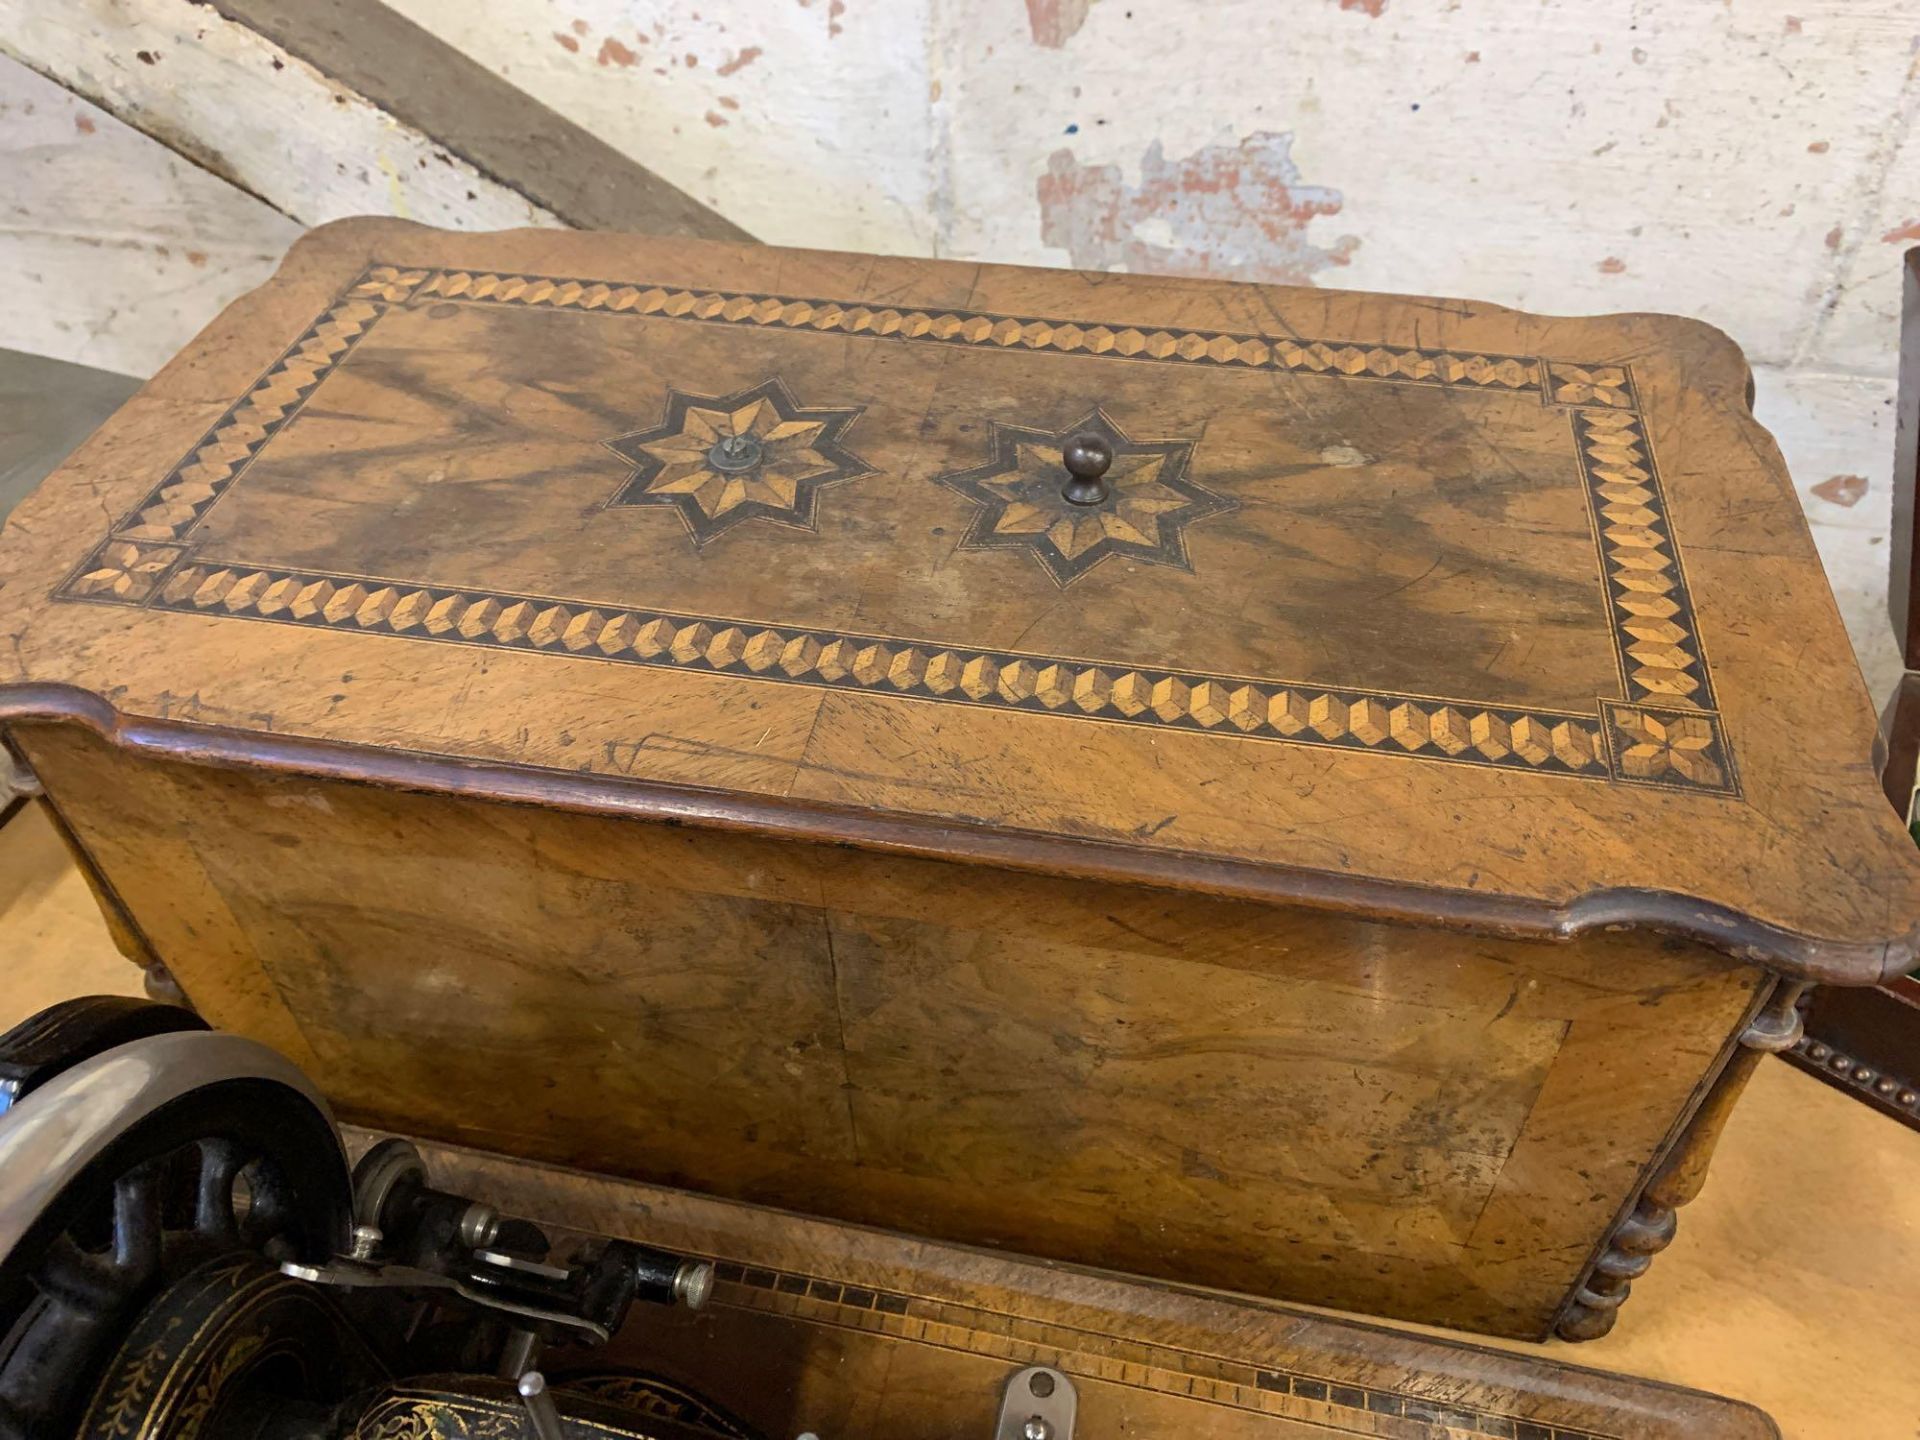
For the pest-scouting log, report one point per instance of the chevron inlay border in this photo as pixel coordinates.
(1544, 741)
(1661, 731)
(1513, 373)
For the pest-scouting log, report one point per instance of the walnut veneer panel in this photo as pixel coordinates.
(1431, 1125)
(1419, 608)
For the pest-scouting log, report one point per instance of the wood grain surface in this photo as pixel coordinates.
(856, 1333)
(671, 672)
(1442, 1127)
(1422, 608)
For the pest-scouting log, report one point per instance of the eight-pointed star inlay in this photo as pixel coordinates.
(1150, 501)
(755, 454)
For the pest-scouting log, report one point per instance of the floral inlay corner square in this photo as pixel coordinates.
(1674, 747)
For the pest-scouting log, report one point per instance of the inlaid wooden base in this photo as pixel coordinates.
(850, 1333)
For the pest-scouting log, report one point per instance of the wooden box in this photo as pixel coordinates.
(654, 706)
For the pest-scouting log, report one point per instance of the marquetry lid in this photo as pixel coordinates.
(1421, 608)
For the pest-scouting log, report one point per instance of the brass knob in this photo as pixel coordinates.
(1087, 457)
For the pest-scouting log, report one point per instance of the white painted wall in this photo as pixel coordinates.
(1750, 162)
(114, 251)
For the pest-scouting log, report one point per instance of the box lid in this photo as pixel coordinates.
(1425, 609)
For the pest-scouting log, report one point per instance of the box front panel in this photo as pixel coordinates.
(1413, 1123)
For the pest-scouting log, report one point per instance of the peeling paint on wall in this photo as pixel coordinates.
(1375, 8)
(1845, 490)
(612, 52)
(1231, 212)
(1054, 22)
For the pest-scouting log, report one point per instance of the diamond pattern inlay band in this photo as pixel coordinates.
(1661, 731)
(1305, 714)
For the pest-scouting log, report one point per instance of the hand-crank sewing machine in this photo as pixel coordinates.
(185, 1254)
(1317, 795)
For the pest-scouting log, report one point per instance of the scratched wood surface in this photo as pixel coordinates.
(857, 1333)
(1418, 606)
(1436, 1126)
(673, 673)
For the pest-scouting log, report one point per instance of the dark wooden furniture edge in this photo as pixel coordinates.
(1866, 1044)
(1896, 745)
(1903, 589)
(1800, 957)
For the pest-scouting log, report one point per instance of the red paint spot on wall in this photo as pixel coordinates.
(692, 61)
(1233, 212)
(196, 258)
(1793, 25)
(612, 52)
(1054, 22)
(84, 124)
(1819, 147)
(566, 42)
(1842, 489)
(835, 9)
(727, 102)
(1835, 236)
(1613, 265)
(716, 119)
(580, 27)
(1901, 234)
(1473, 57)
(1366, 7)
(740, 61)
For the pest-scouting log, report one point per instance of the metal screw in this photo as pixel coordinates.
(693, 1283)
(542, 1414)
(732, 454)
(479, 1226)
(1036, 1429)
(366, 1240)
